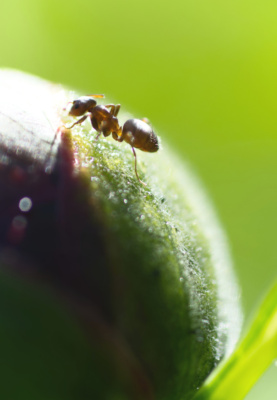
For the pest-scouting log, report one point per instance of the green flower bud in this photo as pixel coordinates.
(110, 289)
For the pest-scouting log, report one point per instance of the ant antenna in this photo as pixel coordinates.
(69, 102)
(97, 96)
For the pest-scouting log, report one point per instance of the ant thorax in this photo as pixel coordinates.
(137, 133)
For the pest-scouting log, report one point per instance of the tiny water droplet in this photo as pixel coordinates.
(25, 204)
(19, 222)
(125, 201)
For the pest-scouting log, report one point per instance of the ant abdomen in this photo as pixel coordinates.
(139, 134)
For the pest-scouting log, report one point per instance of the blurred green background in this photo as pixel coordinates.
(203, 72)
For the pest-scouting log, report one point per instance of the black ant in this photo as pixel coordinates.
(136, 132)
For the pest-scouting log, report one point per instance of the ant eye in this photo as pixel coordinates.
(76, 105)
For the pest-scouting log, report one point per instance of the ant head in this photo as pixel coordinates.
(81, 106)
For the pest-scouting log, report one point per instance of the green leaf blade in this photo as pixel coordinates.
(235, 376)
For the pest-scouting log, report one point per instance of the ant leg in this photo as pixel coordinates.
(114, 109)
(117, 108)
(97, 137)
(136, 166)
(78, 122)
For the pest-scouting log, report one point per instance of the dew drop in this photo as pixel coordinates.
(19, 222)
(17, 229)
(25, 204)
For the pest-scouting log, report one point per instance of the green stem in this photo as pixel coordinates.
(236, 375)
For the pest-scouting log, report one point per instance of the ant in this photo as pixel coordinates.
(136, 132)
